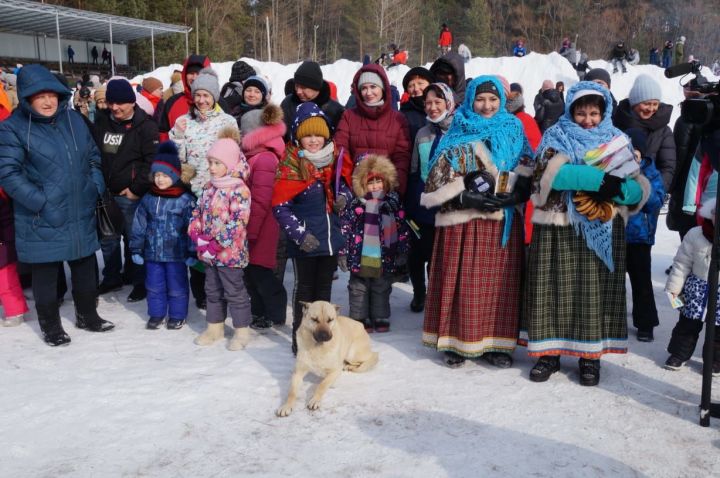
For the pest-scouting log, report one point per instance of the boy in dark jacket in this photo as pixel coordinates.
(376, 241)
(160, 240)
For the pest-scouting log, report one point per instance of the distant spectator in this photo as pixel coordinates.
(618, 56)
(633, 57)
(679, 50)
(654, 56)
(667, 54)
(519, 49)
(94, 55)
(464, 52)
(549, 106)
(445, 40)
(71, 55)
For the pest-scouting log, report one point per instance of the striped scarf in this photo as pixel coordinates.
(371, 256)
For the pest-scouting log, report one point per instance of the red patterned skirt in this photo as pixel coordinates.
(473, 300)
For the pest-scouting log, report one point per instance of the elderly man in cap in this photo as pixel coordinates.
(308, 85)
(127, 138)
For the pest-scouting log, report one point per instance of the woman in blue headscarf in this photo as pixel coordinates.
(473, 299)
(574, 300)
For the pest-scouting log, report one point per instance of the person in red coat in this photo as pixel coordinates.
(180, 103)
(263, 145)
(372, 126)
(445, 40)
(516, 105)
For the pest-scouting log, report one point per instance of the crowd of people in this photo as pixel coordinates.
(512, 229)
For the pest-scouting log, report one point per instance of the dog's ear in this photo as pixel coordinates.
(337, 308)
(304, 305)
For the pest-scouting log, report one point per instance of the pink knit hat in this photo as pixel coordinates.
(506, 85)
(227, 151)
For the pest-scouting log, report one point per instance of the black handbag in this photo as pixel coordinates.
(109, 217)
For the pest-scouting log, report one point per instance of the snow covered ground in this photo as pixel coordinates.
(135, 402)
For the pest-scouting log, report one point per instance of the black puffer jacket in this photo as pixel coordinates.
(660, 143)
(549, 107)
(414, 113)
(330, 107)
(687, 138)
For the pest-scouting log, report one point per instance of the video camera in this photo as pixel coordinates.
(700, 111)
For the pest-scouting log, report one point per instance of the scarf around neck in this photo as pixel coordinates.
(503, 134)
(375, 221)
(573, 140)
(290, 179)
(321, 158)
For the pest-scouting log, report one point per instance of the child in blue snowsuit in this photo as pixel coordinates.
(160, 241)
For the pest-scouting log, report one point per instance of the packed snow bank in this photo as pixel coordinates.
(529, 71)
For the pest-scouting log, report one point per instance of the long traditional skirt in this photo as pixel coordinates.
(573, 304)
(473, 299)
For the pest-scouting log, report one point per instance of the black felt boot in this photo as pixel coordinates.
(50, 325)
(86, 316)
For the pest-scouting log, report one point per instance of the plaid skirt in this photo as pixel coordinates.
(573, 304)
(473, 299)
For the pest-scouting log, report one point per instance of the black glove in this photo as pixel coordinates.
(611, 186)
(401, 259)
(479, 201)
(519, 195)
(310, 243)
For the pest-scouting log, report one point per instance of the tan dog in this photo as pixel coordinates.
(328, 343)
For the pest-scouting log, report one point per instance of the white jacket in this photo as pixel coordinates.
(693, 257)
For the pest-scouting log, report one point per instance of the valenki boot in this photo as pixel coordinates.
(240, 339)
(86, 316)
(213, 333)
(50, 325)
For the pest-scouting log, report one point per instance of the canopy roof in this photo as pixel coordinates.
(22, 16)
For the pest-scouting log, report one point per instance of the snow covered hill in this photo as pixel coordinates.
(135, 402)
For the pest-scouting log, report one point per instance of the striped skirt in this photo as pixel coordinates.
(573, 304)
(473, 299)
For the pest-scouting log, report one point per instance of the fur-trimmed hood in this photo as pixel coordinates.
(268, 135)
(377, 164)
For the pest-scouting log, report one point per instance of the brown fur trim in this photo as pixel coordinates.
(646, 189)
(546, 181)
(483, 155)
(230, 132)
(525, 171)
(272, 114)
(444, 194)
(377, 164)
(187, 172)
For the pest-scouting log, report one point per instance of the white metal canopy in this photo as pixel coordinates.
(23, 16)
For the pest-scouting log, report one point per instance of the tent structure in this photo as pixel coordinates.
(23, 16)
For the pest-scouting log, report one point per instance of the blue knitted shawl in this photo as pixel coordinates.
(570, 138)
(503, 134)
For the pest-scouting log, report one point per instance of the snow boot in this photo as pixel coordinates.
(589, 372)
(86, 316)
(154, 323)
(50, 325)
(417, 304)
(259, 322)
(498, 359)
(544, 367)
(213, 333)
(13, 321)
(382, 325)
(454, 360)
(673, 363)
(175, 324)
(240, 339)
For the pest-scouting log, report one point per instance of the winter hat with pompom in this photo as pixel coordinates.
(167, 161)
(645, 88)
(310, 120)
(207, 80)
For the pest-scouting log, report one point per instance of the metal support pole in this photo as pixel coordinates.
(267, 25)
(187, 43)
(57, 30)
(112, 52)
(197, 33)
(152, 45)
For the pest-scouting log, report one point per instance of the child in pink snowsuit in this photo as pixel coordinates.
(11, 296)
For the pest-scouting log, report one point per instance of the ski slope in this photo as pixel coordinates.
(134, 402)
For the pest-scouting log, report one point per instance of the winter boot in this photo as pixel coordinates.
(454, 360)
(544, 367)
(418, 303)
(86, 316)
(13, 321)
(50, 325)
(673, 363)
(213, 333)
(259, 322)
(498, 359)
(154, 323)
(240, 339)
(175, 324)
(589, 372)
(382, 325)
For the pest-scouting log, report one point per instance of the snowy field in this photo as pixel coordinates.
(134, 402)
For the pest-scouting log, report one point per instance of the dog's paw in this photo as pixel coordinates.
(283, 411)
(313, 404)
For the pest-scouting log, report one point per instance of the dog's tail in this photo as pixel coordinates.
(366, 365)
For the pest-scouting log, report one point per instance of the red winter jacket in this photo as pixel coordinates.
(376, 129)
(534, 136)
(445, 37)
(263, 147)
(179, 104)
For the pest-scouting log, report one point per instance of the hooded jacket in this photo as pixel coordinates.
(660, 144)
(549, 107)
(127, 150)
(180, 103)
(50, 167)
(330, 107)
(456, 63)
(376, 129)
(263, 148)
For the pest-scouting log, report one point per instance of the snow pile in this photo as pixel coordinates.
(529, 71)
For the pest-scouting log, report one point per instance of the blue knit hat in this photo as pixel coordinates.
(645, 88)
(166, 161)
(306, 111)
(119, 91)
